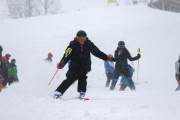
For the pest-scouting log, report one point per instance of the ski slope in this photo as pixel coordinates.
(29, 40)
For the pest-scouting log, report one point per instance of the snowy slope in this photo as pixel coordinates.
(68, 6)
(29, 40)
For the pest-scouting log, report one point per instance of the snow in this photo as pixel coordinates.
(29, 40)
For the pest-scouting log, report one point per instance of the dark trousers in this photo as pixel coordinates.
(178, 81)
(130, 85)
(71, 78)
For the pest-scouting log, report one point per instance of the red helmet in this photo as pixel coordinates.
(50, 54)
(8, 55)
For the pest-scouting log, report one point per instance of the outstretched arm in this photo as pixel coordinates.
(96, 52)
(133, 58)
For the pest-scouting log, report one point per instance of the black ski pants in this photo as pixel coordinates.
(71, 78)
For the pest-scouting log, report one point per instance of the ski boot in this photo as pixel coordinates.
(57, 95)
(82, 95)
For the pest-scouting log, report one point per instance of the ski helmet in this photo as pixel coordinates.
(110, 55)
(50, 54)
(8, 55)
(81, 33)
(121, 44)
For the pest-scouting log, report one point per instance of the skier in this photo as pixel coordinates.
(49, 58)
(12, 72)
(7, 57)
(1, 49)
(127, 82)
(109, 70)
(1, 78)
(121, 66)
(177, 68)
(4, 72)
(78, 52)
(1, 82)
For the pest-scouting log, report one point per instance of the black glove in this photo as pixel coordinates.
(139, 56)
(60, 66)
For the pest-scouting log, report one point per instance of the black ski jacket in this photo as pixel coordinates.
(79, 56)
(121, 66)
(122, 56)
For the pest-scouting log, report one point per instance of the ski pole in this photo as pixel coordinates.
(138, 65)
(53, 77)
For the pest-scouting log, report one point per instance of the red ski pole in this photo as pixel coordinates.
(53, 77)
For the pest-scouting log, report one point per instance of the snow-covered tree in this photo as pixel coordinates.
(29, 8)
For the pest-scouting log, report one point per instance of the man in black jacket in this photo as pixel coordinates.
(78, 53)
(121, 66)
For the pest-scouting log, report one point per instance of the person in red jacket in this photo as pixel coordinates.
(8, 57)
(4, 70)
(49, 58)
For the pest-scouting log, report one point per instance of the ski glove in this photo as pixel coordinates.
(110, 58)
(60, 66)
(139, 56)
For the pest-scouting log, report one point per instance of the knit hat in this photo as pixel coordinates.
(13, 60)
(81, 33)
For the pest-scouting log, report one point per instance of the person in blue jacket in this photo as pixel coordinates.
(109, 71)
(127, 81)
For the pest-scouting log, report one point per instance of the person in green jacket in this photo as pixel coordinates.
(12, 72)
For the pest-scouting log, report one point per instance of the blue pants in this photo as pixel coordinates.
(125, 81)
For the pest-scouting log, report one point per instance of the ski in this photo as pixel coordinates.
(84, 99)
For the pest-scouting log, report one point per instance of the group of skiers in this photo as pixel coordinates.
(78, 57)
(78, 53)
(8, 70)
(122, 68)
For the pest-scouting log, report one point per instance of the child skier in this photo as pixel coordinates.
(49, 58)
(12, 72)
(4, 69)
(128, 82)
(109, 70)
(121, 66)
(177, 68)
